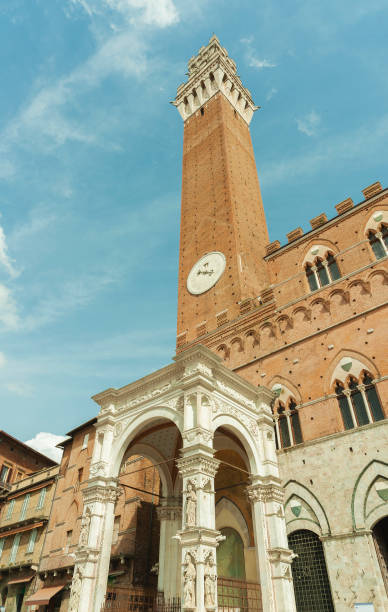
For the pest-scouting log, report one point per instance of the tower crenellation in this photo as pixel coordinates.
(210, 72)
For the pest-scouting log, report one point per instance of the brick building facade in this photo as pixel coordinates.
(279, 388)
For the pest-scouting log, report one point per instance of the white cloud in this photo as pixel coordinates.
(309, 124)
(45, 443)
(5, 259)
(369, 141)
(252, 59)
(272, 92)
(9, 317)
(255, 62)
(21, 389)
(3, 360)
(159, 13)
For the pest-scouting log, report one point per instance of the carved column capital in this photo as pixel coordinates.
(197, 435)
(100, 493)
(169, 513)
(198, 464)
(266, 492)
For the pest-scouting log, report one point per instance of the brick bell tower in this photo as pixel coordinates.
(223, 229)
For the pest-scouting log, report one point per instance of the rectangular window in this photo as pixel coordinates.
(2, 542)
(5, 473)
(374, 403)
(23, 511)
(15, 546)
(116, 529)
(359, 408)
(85, 442)
(41, 499)
(10, 509)
(69, 536)
(32, 540)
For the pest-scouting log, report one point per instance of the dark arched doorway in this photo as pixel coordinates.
(311, 582)
(380, 537)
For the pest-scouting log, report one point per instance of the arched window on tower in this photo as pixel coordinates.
(378, 241)
(323, 271)
(287, 424)
(358, 401)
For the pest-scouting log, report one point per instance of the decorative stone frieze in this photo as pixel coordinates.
(101, 494)
(197, 435)
(212, 72)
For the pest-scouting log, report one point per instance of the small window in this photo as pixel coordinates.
(5, 473)
(69, 537)
(322, 274)
(41, 498)
(10, 508)
(312, 281)
(344, 407)
(85, 442)
(15, 546)
(23, 510)
(32, 540)
(2, 542)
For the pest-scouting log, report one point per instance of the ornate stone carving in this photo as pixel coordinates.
(266, 492)
(102, 494)
(75, 590)
(250, 424)
(198, 434)
(189, 580)
(197, 368)
(191, 505)
(189, 466)
(169, 513)
(210, 579)
(98, 469)
(236, 395)
(85, 524)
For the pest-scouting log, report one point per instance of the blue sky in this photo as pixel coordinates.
(90, 170)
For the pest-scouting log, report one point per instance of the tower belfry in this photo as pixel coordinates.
(223, 228)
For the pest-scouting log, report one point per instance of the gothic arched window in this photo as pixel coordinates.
(378, 241)
(322, 272)
(288, 430)
(359, 403)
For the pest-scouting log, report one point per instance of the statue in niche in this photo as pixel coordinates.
(75, 590)
(210, 577)
(189, 576)
(191, 506)
(84, 533)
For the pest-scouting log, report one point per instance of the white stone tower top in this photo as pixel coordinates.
(210, 72)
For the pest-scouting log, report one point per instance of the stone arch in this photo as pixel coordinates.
(134, 427)
(378, 277)
(340, 296)
(364, 482)
(252, 339)
(236, 345)
(332, 370)
(301, 314)
(318, 250)
(223, 351)
(235, 518)
(284, 323)
(153, 455)
(288, 385)
(375, 219)
(240, 429)
(294, 488)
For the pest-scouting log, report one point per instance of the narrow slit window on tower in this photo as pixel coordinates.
(202, 111)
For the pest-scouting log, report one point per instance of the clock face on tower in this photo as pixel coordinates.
(206, 272)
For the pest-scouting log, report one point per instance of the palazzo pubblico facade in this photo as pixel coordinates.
(252, 472)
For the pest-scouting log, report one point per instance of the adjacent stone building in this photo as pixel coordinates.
(24, 517)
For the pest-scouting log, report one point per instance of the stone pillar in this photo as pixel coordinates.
(93, 553)
(170, 517)
(198, 536)
(273, 555)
